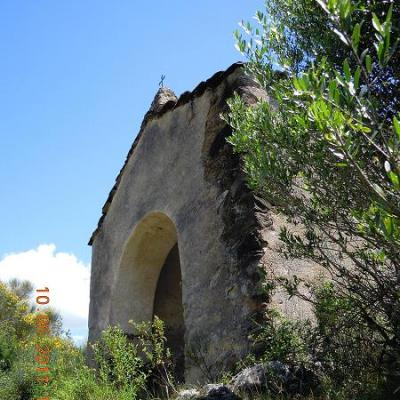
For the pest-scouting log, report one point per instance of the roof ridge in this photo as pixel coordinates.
(154, 113)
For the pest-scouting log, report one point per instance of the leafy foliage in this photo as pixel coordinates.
(18, 339)
(158, 357)
(282, 339)
(117, 360)
(126, 370)
(326, 152)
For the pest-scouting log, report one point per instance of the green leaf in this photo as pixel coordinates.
(396, 125)
(355, 37)
(357, 75)
(389, 15)
(394, 178)
(368, 63)
(332, 4)
(341, 36)
(303, 82)
(346, 68)
(388, 223)
(376, 24)
(296, 84)
(345, 9)
(332, 89)
(339, 79)
(363, 54)
(259, 16)
(381, 52)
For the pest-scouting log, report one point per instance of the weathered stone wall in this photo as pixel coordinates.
(182, 179)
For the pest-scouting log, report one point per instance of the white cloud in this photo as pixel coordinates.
(66, 277)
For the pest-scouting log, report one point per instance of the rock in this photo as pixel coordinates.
(279, 370)
(211, 387)
(217, 392)
(162, 97)
(302, 380)
(188, 394)
(277, 377)
(250, 379)
(208, 392)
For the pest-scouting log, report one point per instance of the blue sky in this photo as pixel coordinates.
(76, 78)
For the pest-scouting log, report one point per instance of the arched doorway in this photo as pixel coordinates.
(149, 283)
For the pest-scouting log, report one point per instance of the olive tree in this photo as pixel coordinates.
(326, 151)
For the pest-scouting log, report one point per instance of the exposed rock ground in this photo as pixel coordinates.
(272, 377)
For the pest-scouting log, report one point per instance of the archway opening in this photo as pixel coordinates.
(168, 307)
(149, 283)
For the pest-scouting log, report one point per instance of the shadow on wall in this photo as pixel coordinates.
(168, 307)
(149, 282)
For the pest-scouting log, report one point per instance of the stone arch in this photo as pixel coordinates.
(180, 162)
(149, 281)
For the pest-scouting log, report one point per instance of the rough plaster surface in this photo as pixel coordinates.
(182, 184)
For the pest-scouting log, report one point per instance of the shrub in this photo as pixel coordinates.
(126, 370)
(118, 360)
(340, 354)
(158, 359)
(326, 153)
(282, 339)
(8, 389)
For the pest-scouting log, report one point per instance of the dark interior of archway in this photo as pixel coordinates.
(168, 307)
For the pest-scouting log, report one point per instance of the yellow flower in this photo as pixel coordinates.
(29, 319)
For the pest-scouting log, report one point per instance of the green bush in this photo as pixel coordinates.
(282, 339)
(8, 346)
(348, 365)
(18, 383)
(345, 347)
(8, 389)
(119, 362)
(84, 385)
(326, 153)
(126, 370)
(158, 359)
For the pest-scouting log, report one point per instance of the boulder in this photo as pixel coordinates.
(188, 394)
(250, 379)
(276, 377)
(217, 392)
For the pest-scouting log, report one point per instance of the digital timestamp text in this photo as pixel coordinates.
(42, 351)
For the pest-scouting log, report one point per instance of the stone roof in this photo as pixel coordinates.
(164, 101)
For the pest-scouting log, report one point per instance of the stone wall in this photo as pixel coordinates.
(182, 185)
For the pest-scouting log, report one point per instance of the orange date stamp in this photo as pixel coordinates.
(42, 352)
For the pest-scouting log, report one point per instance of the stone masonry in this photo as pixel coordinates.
(182, 237)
